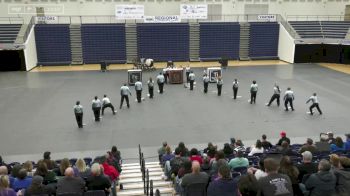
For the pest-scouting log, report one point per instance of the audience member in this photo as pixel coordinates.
(256, 149)
(209, 147)
(49, 163)
(168, 155)
(347, 142)
(70, 184)
(161, 150)
(239, 146)
(114, 161)
(258, 172)
(338, 145)
(342, 174)
(185, 169)
(219, 155)
(64, 164)
(116, 153)
(224, 185)
(183, 149)
(307, 167)
(5, 189)
(265, 144)
(28, 166)
(98, 181)
(239, 161)
(232, 143)
(274, 183)
(195, 156)
(227, 150)
(284, 149)
(214, 172)
(4, 171)
(283, 138)
(308, 146)
(41, 170)
(109, 170)
(177, 162)
(323, 182)
(248, 185)
(206, 166)
(330, 138)
(82, 170)
(334, 160)
(37, 188)
(22, 181)
(15, 170)
(195, 177)
(287, 168)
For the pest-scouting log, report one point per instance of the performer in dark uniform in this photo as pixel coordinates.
(150, 87)
(235, 88)
(219, 84)
(138, 88)
(288, 98)
(96, 108)
(191, 76)
(276, 95)
(124, 93)
(205, 82)
(78, 111)
(314, 100)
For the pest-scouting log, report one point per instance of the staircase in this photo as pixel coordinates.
(131, 42)
(244, 41)
(131, 179)
(194, 41)
(75, 44)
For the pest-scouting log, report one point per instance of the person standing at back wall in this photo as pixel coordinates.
(191, 76)
(160, 81)
(235, 88)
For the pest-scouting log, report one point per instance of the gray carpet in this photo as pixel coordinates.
(37, 115)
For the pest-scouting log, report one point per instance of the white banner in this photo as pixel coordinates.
(192, 11)
(129, 11)
(46, 18)
(267, 17)
(162, 19)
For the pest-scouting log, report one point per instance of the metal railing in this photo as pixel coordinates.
(318, 17)
(23, 38)
(11, 20)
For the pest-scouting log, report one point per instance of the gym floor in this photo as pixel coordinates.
(37, 110)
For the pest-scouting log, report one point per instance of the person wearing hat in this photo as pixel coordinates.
(314, 100)
(283, 138)
(347, 142)
(78, 112)
(37, 187)
(49, 163)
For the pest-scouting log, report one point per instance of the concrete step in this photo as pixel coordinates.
(139, 185)
(137, 164)
(139, 179)
(133, 175)
(141, 192)
(138, 170)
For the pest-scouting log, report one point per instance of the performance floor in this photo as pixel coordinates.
(37, 110)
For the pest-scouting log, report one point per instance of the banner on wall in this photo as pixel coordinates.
(162, 19)
(194, 11)
(129, 11)
(267, 17)
(46, 18)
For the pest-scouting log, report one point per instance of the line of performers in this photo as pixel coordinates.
(99, 106)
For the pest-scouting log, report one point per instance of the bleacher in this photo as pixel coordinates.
(321, 29)
(8, 33)
(53, 44)
(163, 42)
(263, 41)
(219, 40)
(103, 42)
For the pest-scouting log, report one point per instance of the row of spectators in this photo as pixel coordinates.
(314, 174)
(58, 177)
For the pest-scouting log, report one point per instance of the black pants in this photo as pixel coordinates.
(219, 89)
(235, 90)
(206, 87)
(191, 84)
(138, 95)
(126, 97)
(290, 101)
(317, 107)
(97, 113)
(108, 105)
(150, 91)
(253, 96)
(165, 78)
(274, 96)
(187, 77)
(79, 118)
(160, 86)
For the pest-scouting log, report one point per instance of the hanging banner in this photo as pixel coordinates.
(192, 11)
(162, 19)
(129, 12)
(267, 17)
(46, 18)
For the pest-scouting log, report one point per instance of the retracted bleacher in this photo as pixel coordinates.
(263, 43)
(103, 42)
(8, 33)
(219, 40)
(53, 44)
(163, 42)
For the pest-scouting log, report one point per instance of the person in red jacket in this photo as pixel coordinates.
(109, 170)
(195, 156)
